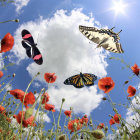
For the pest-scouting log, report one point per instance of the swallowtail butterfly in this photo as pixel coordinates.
(105, 38)
(31, 49)
(81, 79)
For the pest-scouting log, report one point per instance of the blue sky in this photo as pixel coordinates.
(66, 50)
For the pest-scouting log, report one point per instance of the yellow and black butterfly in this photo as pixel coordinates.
(105, 38)
(81, 79)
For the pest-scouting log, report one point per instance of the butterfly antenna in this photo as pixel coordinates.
(37, 38)
(119, 31)
(112, 28)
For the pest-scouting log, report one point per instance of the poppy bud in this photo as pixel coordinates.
(63, 100)
(16, 20)
(38, 73)
(90, 121)
(104, 98)
(70, 108)
(106, 128)
(115, 110)
(65, 126)
(14, 75)
(35, 92)
(126, 82)
(98, 134)
(28, 113)
(62, 137)
(75, 125)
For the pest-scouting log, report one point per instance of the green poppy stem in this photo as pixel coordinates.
(23, 102)
(63, 100)
(36, 111)
(15, 20)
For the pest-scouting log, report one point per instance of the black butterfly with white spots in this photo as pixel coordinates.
(31, 48)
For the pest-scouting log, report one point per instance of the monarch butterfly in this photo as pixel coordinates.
(81, 79)
(31, 49)
(105, 38)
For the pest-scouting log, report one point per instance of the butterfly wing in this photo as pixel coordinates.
(26, 35)
(89, 79)
(107, 38)
(92, 34)
(112, 46)
(75, 80)
(36, 55)
(27, 47)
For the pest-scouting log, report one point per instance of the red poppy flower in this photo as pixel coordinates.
(68, 113)
(50, 77)
(25, 123)
(74, 125)
(46, 98)
(3, 111)
(135, 69)
(111, 121)
(7, 43)
(1, 74)
(106, 84)
(116, 118)
(84, 119)
(132, 91)
(17, 93)
(49, 107)
(100, 126)
(29, 99)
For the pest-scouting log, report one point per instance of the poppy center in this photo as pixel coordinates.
(3, 42)
(107, 86)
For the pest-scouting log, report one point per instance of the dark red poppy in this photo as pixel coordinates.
(29, 99)
(17, 93)
(100, 126)
(132, 91)
(84, 119)
(46, 98)
(117, 118)
(68, 113)
(25, 123)
(1, 74)
(49, 107)
(106, 84)
(111, 121)
(7, 43)
(135, 69)
(74, 125)
(50, 77)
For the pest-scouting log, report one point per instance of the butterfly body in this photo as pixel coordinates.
(31, 48)
(81, 80)
(105, 38)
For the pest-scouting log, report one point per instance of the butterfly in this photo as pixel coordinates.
(105, 38)
(81, 80)
(31, 48)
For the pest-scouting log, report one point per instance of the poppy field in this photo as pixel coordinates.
(21, 112)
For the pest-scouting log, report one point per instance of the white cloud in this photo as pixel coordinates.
(64, 51)
(133, 117)
(20, 3)
(41, 116)
(1, 62)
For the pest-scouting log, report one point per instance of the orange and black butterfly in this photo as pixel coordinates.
(81, 80)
